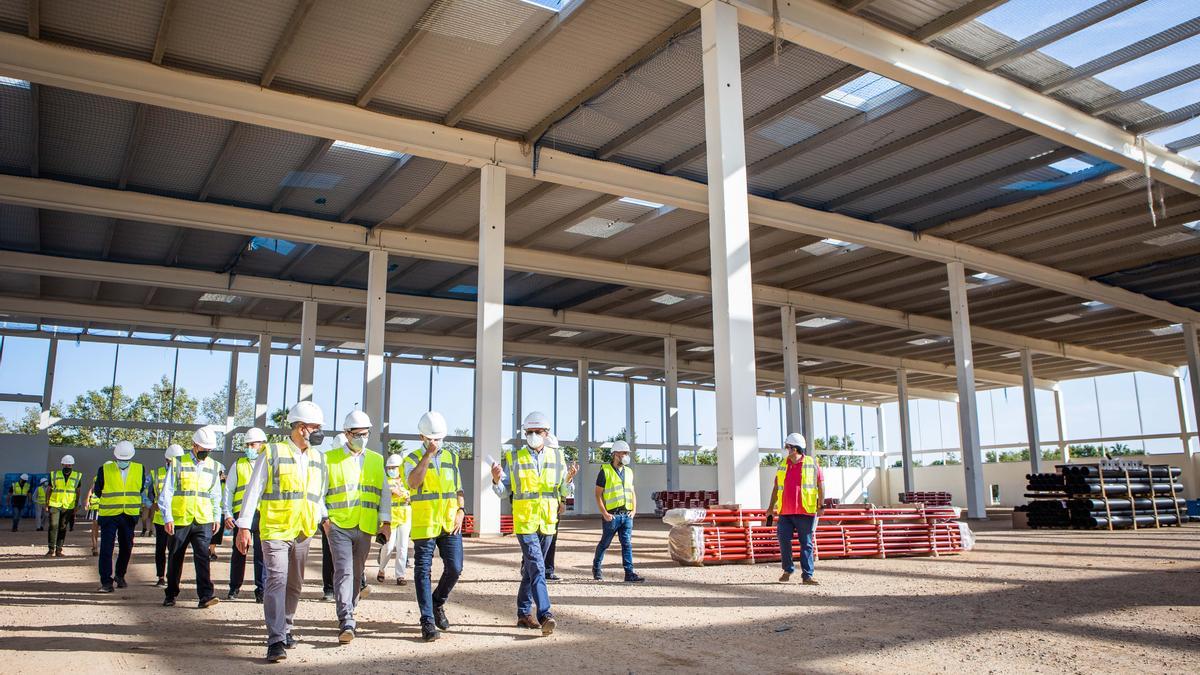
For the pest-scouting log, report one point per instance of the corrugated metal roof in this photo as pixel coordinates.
(257, 164)
(83, 136)
(127, 28)
(230, 37)
(16, 128)
(174, 150)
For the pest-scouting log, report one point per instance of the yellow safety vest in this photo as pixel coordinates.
(159, 476)
(435, 503)
(192, 500)
(39, 496)
(809, 494)
(535, 496)
(19, 490)
(242, 468)
(64, 491)
(290, 500)
(618, 493)
(121, 496)
(359, 508)
(401, 509)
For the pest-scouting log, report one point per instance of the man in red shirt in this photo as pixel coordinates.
(797, 499)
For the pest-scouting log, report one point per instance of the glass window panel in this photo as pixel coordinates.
(1119, 31)
(609, 409)
(1019, 19)
(648, 413)
(1156, 394)
(1152, 66)
(1178, 97)
(453, 396)
(567, 415)
(350, 374)
(202, 378)
(409, 397)
(23, 365)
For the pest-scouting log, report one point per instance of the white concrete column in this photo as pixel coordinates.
(231, 403)
(1181, 410)
(729, 248)
(1060, 420)
(489, 348)
(262, 382)
(1192, 343)
(631, 436)
(906, 449)
(807, 427)
(968, 414)
(385, 425)
(308, 350)
(373, 365)
(44, 420)
(518, 394)
(1031, 420)
(791, 371)
(582, 495)
(671, 384)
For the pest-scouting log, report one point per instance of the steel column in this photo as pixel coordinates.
(489, 344)
(231, 403)
(1031, 420)
(791, 368)
(1060, 419)
(1192, 344)
(48, 387)
(262, 382)
(373, 364)
(671, 383)
(581, 439)
(968, 414)
(308, 348)
(806, 413)
(906, 450)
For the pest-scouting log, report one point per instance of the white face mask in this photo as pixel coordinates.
(625, 460)
(393, 473)
(357, 443)
(535, 441)
(122, 464)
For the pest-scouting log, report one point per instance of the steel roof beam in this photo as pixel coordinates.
(295, 23)
(1167, 119)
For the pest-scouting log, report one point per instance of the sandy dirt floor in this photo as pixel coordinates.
(1021, 602)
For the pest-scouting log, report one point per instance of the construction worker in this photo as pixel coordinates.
(618, 505)
(191, 506)
(798, 500)
(235, 492)
(39, 502)
(286, 494)
(358, 509)
(19, 495)
(341, 440)
(397, 542)
(64, 496)
(118, 494)
(161, 541)
(551, 553)
(219, 534)
(535, 475)
(437, 519)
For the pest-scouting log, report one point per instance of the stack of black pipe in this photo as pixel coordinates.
(1074, 496)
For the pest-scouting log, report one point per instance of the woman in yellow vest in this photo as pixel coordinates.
(235, 493)
(118, 497)
(18, 496)
(437, 518)
(286, 494)
(798, 497)
(397, 543)
(535, 475)
(64, 496)
(190, 504)
(618, 505)
(359, 508)
(40, 496)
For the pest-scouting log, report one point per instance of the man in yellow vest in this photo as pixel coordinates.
(397, 541)
(161, 541)
(437, 518)
(118, 496)
(797, 498)
(64, 497)
(40, 496)
(618, 505)
(535, 475)
(358, 508)
(190, 503)
(287, 494)
(18, 496)
(235, 494)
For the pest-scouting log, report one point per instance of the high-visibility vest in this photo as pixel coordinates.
(435, 502)
(121, 496)
(618, 492)
(158, 478)
(192, 500)
(535, 495)
(39, 496)
(20, 490)
(401, 508)
(354, 508)
(242, 469)
(809, 494)
(290, 500)
(64, 491)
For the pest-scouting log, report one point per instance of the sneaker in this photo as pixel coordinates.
(528, 621)
(548, 624)
(439, 617)
(276, 652)
(327, 597)
(161, 582)
(207, 602)
(233, 595)
(786, 576)
(290, 641)
(551, 576)
(258, 595)
(634, 578)
(346, 635)
(809, 581)
(597, 575)
(105, 589)
(121, 583)
(429, 632)
(169, 602)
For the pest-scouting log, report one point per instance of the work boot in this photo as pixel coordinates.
(40, 529)
(50, 553)
(290, 641)
(551, 576)
(548, 624)
(207, 602)
(121, 583)
(439, 617)
(276, 652)
(346, 635)
(59, 554)
(258, 595)
(634, 578)
(809, 581)
(169, 602)
(161, 582)
(106, 589)
(429, 632)
(596, 574)
(233, 594)
(786, 576)
(527, 621)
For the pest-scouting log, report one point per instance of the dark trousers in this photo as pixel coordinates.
(117, 530)
(198, 536)
(59, 522)
(161, 543)
(237, 562)
(621, 526)
(71, 520)
(550, 554)
(800, 526)
(18, 506)
(450, 549)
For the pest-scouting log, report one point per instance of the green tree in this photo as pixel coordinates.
(827, 449)
(164, 403)
(770, 459)
(464, 450)
(213, 408)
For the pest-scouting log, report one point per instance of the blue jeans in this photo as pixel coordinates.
(622, 527)
(533, 575)
(450, 549)
(804, 527)
(116, 529)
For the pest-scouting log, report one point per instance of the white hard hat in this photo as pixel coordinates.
(432, 425)
(205, 437)
(68, 460)
(24, 476)
(44, 481)
(123, 450)
(394, 460)
(357, 419)
(796, 440)
(255, 435)
(535, 420)
(551, 441)
(173, 450)
(306, 412)
(619, 446)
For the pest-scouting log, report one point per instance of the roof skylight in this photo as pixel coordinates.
(600, 228)
(640, 202)
(1116, 32)
(13, 82)
(667, 299)
(1018, 19)
(819, 322)
(1070, 165)
(370, 150)
(866, 91)
(829, 246)
(1151, 66)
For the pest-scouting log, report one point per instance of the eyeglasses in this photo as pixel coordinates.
(539, 432)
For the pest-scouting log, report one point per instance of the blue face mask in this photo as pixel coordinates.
(251, 454)
(123, 464)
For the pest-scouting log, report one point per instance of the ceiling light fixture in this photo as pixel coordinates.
(818, 322)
